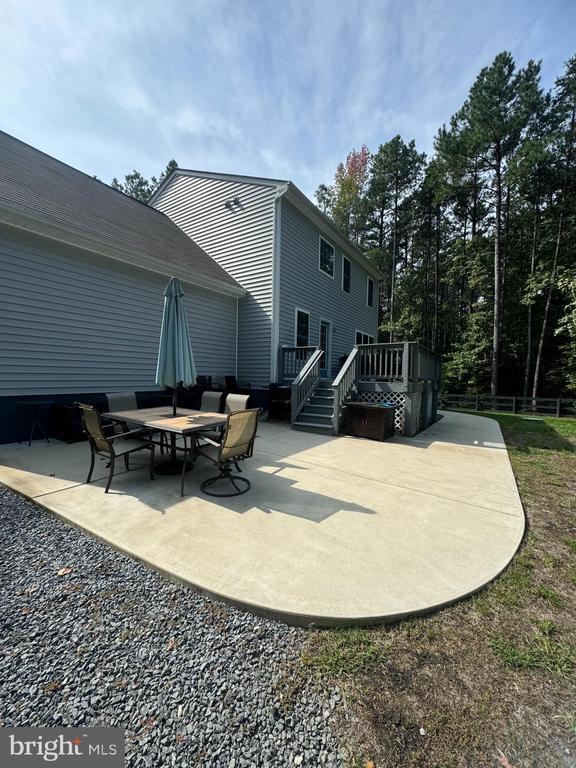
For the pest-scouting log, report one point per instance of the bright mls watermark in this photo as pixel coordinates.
(86, 747)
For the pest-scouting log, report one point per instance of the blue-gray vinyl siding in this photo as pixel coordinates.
(304, 286)
(241, 240)
(72, 321)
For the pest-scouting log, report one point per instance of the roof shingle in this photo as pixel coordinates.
(48, 197)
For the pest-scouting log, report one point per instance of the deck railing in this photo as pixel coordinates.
(342, 385)
(305, 382)
(382, 361)
(424, 364)
(292, 360)
(397, 361)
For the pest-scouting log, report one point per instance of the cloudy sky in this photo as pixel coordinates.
(280, 88)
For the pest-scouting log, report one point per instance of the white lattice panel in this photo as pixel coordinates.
(396, 398)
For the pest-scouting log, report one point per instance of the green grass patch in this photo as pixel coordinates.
(344, 652)
(571, 544)
(535, 435)
(546, 627)
(541, 652)
(549, 594)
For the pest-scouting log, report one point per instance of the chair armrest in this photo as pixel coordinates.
(132, 433)
(209, 441)
(110, 424)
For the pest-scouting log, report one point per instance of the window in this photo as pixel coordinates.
(326, 257)
(302, 332)
(364, 338)
(346, 271)
(370, 292)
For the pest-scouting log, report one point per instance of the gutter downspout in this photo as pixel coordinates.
(275, 330)
(236, 362)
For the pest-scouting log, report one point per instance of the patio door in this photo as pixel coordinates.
(325, 334)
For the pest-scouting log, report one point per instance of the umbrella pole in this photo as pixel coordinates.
(173, 436)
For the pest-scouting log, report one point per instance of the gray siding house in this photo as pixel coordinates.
(274, 294)
(82, 274)
(307, 285)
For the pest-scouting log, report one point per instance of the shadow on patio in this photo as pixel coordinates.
(333, 530)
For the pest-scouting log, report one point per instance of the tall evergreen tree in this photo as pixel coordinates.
(397, 170)
(496, 116)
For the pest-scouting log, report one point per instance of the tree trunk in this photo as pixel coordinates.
(552, 285)
(528, 364)
(393, 275)
(426, 329)
(504, 257)
(497, 281)
(436, 280)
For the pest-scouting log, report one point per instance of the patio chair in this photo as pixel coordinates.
(236, 402)
(233, 385)
(126, 401)
(121, 401)
(113, 446)
(211, 401)
(204, 381)
(237, 444)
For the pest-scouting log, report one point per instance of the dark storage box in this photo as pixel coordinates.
(375, 422)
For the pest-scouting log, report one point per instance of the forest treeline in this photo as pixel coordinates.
(477, 242)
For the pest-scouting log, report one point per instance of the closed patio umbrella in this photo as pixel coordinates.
(176, 367)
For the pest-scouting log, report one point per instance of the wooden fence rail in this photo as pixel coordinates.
(551, 406)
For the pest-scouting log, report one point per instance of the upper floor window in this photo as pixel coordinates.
(326, 263)
(370, 292)
(364, 338)
(302, 330)
(346, 272)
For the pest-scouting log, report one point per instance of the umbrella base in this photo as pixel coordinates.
(174, 467)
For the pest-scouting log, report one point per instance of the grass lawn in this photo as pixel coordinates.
(490, 681)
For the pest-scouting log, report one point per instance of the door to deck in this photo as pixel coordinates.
(325, 334)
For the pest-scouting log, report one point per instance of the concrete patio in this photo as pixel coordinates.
(335, 530)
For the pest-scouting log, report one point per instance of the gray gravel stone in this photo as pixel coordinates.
(193, 682)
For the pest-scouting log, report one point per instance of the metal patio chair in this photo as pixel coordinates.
(211, 401)
(115, 445)
(237, 444)
(236, 402)
(126, 401)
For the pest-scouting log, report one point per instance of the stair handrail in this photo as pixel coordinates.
(341, 387)
(305, 383)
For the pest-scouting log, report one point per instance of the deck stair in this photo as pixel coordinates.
(317, 415)
(405, 373)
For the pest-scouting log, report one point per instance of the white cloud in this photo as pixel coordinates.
(269, 88)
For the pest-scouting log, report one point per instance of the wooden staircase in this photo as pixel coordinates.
(406, 368)
(317, 415)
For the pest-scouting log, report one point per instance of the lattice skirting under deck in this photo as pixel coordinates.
(395, 398)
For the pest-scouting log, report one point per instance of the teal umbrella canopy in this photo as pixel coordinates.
(175, 359)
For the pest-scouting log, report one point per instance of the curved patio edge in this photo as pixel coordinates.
(326, 539)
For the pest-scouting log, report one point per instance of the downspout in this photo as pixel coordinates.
(236, 361)
(275, 330)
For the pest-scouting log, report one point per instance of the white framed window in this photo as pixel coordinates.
(364, 338)
(370, 292)
(326, 257)
(301, 328)
(346, 274)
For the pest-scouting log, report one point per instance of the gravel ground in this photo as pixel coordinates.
(193, 681)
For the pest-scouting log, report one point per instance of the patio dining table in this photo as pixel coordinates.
(185, 424)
